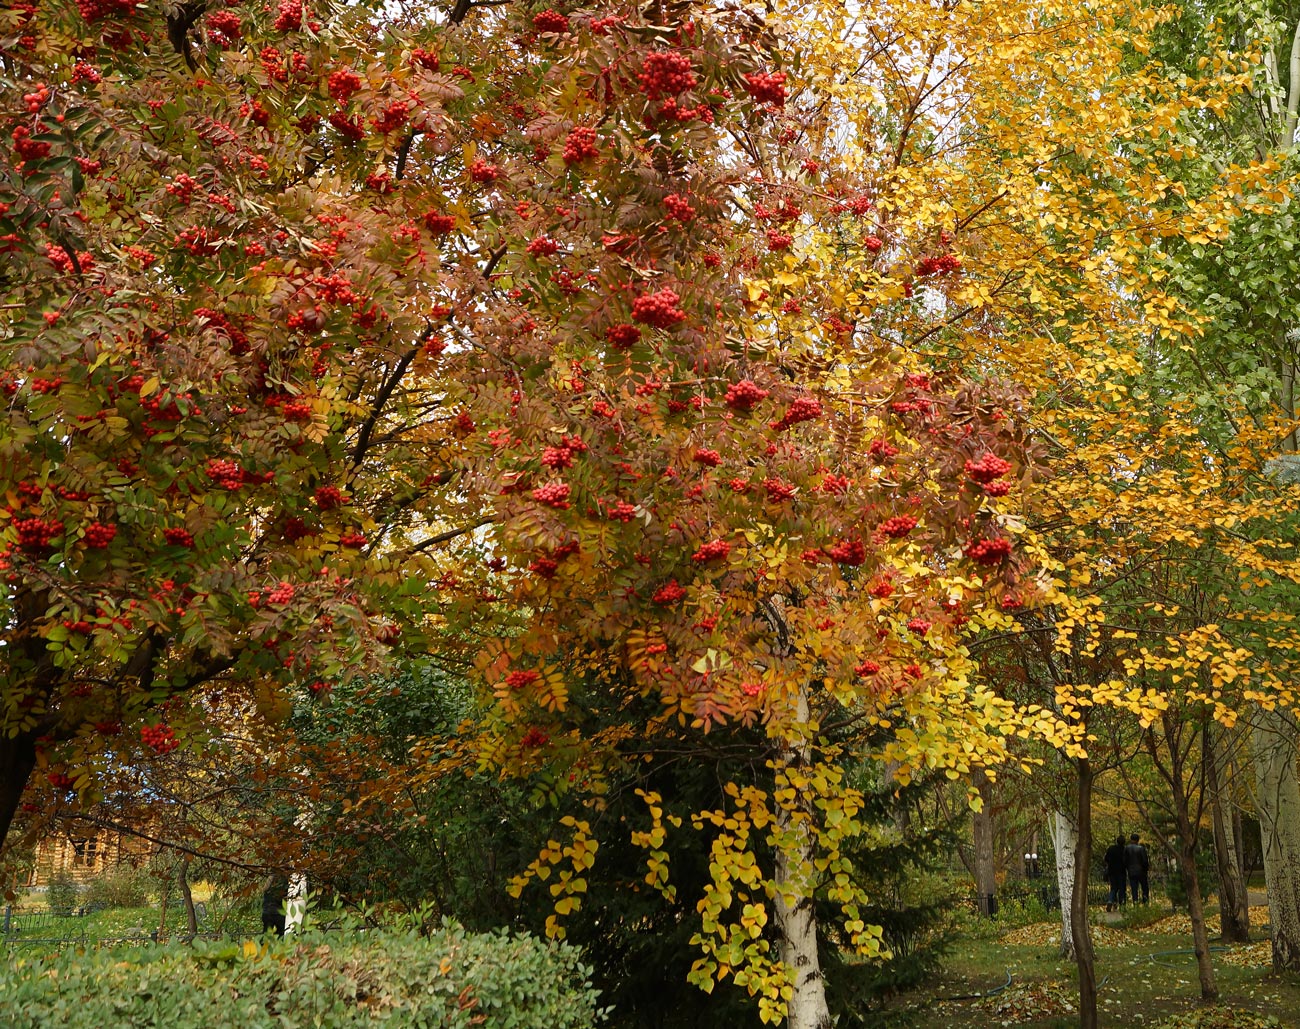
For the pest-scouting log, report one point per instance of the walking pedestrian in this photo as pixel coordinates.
(1115, 873)
(1138, 864)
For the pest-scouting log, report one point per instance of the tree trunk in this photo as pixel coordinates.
(1272, 740)
(1186, 850)
(1083, 954)
(796, 919)
(1196, 910)
(986, 883)
(902, 817)
(17, 759)
(187, 898)
(1065, 833)
(1234, 901)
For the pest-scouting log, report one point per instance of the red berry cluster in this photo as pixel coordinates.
(289, 17)
(744, 395)
(522, 677)
(533, 739)
(668, 594)
(179, 538)
(778, 240)
(665, 73)
(836, 485)
(554, 494)
(898, 526)
(225, 24)
(353, 540)
(708, 458)
(766, 87)
(329, 497)
(98, 535)
(543, 246)
(159, 738)
(94, 10)
(439, 224)
(997, 488)
(183, 188)
(848, 552)
(580, 145)
(1011, 602)
(778, 491)
(714, 550)
(390, 119)
(35, 533)
(318, 687)
(226, 474)
(987, 468)
(623, 337)
(108, 728)
(751, 689)
(296, 529)
(679, 208)
(865, 669)
(557, 458)
(561, 456)
(426, 59)
(342, 84)
(940, 264)
(802, 409)
(282, 594)
(29, 149)
(882, 450)
(882, 590)
(989, 551)
(919, 626)
(60, 780)
(296, 411)
(81, 627)
(348, 126)
(873, 243)
(658, 309)
(551, 21)
(620, 511)
(738, 485)
(484, 172)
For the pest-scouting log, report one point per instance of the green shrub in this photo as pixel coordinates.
(448, 980)
(61, 894)
(123, 887)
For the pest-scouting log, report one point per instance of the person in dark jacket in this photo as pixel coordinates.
(1115, 872)
(273, 898)
(1137, 864)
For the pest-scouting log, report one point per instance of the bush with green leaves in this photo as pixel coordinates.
(62, 894)
(449, 979)
(122, 887)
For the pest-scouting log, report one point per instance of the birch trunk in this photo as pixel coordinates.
(1273, 738)
(1083, 955)
(1065, 837)
(796, 917)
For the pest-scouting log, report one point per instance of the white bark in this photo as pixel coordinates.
(796, 918)
(295, 903)
(1273, 741)
(1065, 836)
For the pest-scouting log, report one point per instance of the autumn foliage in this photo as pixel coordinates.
(329, 331)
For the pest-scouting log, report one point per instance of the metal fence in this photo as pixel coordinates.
(42, 928)
(1046, 892)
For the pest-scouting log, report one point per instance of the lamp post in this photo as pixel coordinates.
(1031, 865)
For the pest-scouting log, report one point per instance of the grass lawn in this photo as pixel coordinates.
(1141, 983)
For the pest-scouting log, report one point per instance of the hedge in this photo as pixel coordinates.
(449, 980)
